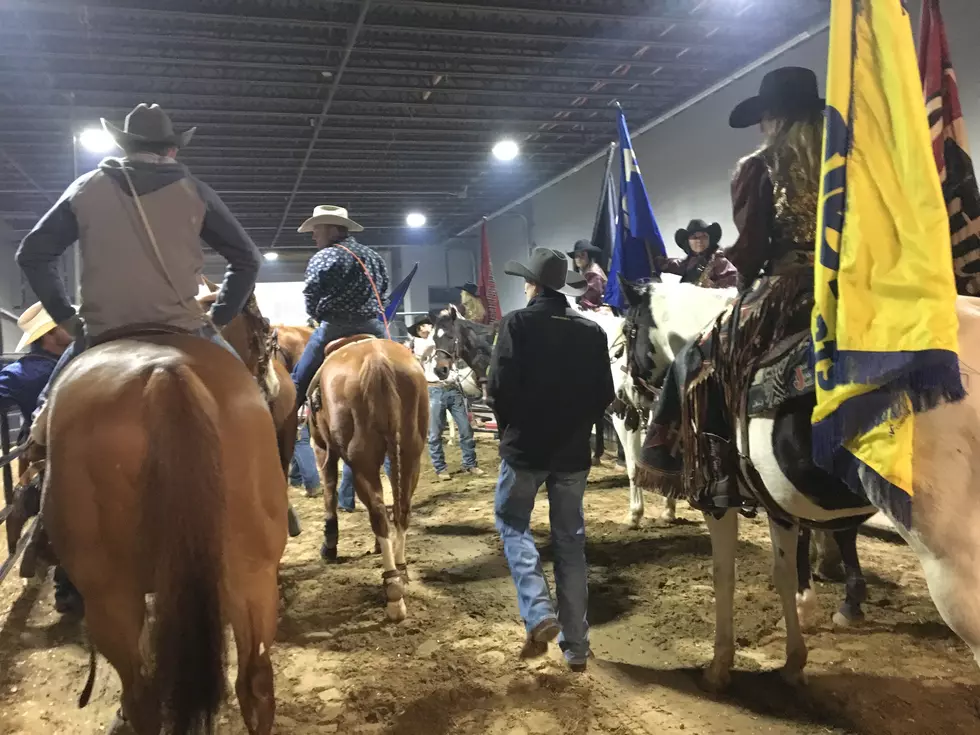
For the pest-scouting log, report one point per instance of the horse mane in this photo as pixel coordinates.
(611, 324)
(261, 336)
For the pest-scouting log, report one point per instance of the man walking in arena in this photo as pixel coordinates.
(546, 355)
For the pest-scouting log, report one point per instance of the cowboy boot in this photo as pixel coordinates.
(722, 485)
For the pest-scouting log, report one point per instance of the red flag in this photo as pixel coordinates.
(950, 148)
(487, 287)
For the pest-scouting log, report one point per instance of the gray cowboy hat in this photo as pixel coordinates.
(584, 246)
(713, 232)
(575, 284)
(148, 124)
(789, 92)
(546, 267)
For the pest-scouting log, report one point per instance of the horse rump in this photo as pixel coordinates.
(184, 497)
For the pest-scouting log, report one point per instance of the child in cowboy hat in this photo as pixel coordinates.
(704, 265)
(139, 221)
(345, 286)
(586, 255)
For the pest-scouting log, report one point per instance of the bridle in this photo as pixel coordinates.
(643, 383)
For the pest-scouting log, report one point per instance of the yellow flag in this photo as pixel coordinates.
(884, 324)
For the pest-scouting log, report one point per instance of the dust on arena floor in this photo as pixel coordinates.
(452, 666)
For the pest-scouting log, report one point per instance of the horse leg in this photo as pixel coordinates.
(784, 544)
(253, 619)
(828, 556)
(326, 460)
(856, 588)
(115, 625)
(806, 596)
(631, 448)
(409, 469)
(724, 537)
(368, 487)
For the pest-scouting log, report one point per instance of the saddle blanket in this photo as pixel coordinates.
(785, 373)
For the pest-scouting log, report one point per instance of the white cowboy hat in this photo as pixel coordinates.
(35, 322)
(326, 214)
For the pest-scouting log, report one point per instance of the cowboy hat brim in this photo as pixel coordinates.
(749, 113)
(330, 219)
(124, 139)
(575, 284)
(590, 249)
(36, 332)
(713, 231)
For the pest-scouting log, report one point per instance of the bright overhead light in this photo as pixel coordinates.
(506, 150)
(415, 219)
(271, 255)
(96, 140)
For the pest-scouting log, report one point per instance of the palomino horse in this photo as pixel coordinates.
(945, 513)
(373, 403)
(163, 478)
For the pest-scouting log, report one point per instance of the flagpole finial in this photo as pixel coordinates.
(618, 106)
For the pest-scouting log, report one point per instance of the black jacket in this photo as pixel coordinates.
(549, 383)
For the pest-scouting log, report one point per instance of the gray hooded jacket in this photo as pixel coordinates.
(122, 280)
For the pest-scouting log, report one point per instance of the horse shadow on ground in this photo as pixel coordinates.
(858, 703)
(458, 529)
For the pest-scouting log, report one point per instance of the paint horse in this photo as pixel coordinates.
(163, 477)
(945, 514)
(370, 400)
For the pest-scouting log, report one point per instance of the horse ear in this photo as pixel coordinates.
(453, 312)
(630, 291)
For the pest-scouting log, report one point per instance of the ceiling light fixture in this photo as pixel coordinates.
(506, 150)
(96, 140)
(415, 220)
(271, 255)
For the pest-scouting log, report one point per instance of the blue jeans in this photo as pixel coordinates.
(345, 489)
(323, 335)
(442, 399)
(208, 332)
(513, 504)
(303, 470)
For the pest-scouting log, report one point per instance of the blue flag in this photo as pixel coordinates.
(638, 238)
(398, 294)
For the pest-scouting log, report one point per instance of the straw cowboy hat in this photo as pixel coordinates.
(328, 215)
(147, 124)
(713, 231)
(789, 92)
(35, 322)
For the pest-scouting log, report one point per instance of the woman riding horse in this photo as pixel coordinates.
(774, 197)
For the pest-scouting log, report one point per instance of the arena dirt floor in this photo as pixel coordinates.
(452, 667)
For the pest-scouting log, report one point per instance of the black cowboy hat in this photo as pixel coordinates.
(470, 288)
(414, 329)
(788, 92)
(584, 246)
(546, 267)
(694, 226)
(148, 124)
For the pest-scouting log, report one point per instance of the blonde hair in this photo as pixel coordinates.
(794, 151)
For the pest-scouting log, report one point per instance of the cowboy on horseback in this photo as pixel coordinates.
(139, 221)
(704, 263)
(119, 213)
(345, 284)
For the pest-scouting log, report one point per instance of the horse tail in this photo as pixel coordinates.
(185, 502)
(380, 384)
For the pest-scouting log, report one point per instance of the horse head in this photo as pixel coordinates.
(459, 339)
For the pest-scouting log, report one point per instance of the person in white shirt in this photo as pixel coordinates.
(444, 395)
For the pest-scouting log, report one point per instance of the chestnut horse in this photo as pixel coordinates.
(290, 343)
(162, 477)
(374, 401)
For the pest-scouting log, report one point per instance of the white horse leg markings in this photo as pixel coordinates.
(399, 547)
(784, 577)
(724, 537)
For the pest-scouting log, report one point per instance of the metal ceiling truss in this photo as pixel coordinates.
(380, 105)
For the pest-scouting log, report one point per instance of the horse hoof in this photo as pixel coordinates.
(328, 553)
(793, 676)
(715, 681)
(120, 726)
(634, 519)
(841, 620)
(396, 611)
